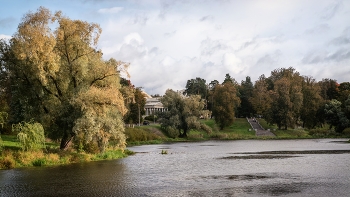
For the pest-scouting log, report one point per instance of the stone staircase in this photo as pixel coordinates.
(259, 130)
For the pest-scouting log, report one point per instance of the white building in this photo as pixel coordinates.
(153, 105)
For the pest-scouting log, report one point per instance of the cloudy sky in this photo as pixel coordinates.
(168, 42)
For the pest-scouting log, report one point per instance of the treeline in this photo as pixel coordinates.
(285, 98)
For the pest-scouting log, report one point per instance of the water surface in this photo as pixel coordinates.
(212, 168)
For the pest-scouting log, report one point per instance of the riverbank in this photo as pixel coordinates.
(12, 157)
(239, 130)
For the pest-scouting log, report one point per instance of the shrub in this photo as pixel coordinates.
(39, 162)
(321, 132)
(7, 162)
(136, 134)
(171, 132)
(110, 154)
(30, 134)
(1, 143)
(52, 158)
(193, 134)
(345, 132)
(27, 158)
(151, 118)
(206, 128)
(79, 157)
(219, 135)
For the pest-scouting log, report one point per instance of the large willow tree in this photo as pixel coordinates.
(60, 80)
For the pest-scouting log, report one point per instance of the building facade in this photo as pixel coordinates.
(153, 105)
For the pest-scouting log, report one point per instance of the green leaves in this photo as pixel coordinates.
(182, 115)
(225, 101)
(30, 134)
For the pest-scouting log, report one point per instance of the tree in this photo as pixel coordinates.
(30, 134)
(196, 86)
(60, 80)
(3, 119)
(230, 79)
(5, 86)
(225, 101)
(347, 107)
(246, 92)
(335, 116)
(344, 92)
(260, 99)
(312, 101)
(136, 108)
(286, 98)
(211, 88)
(182, 113)
(329, 89)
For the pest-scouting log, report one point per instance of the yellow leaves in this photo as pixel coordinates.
(99, 99)
(34, 44)
(64, 69)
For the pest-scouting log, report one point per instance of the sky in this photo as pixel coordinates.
(168, 42)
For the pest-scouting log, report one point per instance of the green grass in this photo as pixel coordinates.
(12, 156)
(302, 133)
(291, 134)
(238, 130)
(264, 124)
(144, 135)
(10, 141)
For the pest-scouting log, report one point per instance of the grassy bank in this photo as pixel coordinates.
(301, 133)
(239, 130)
(12, 156)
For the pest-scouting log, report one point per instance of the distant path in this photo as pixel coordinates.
(259, 131)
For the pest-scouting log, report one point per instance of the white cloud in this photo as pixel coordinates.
(133, 38)
(113, 10)
(232, 63)
(2, 36)
(169, 43)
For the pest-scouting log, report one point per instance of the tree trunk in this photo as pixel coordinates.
(66, 139)
(184, 134)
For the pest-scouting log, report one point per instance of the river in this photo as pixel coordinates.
(318, 167)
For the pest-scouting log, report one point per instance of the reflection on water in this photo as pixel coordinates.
(213, 168)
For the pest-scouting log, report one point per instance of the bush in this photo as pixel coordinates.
(151, 118)
(195, 135)
(7, 162)
(171, 132)
(319, 132)
(136, 134)
(110, 154)
(345, 132)
(39, 162)
(206, 128)
(1, 143)
(218, 135)
(30, 134)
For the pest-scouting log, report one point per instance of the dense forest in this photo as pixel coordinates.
(285, 98)
(59, 80)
